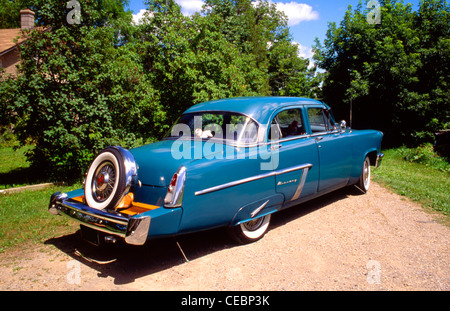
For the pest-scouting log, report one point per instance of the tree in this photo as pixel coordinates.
(400, 67)
(10, 12)
(258, 29)
(235, 48)
(79, 90)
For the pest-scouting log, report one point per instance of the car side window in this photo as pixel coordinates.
(320, 120)
(287, 123)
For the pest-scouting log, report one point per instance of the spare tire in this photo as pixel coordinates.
(108, 178)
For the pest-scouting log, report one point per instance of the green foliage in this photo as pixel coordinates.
(10, 12)
(79, 92)
(396, 73)
(426, 155)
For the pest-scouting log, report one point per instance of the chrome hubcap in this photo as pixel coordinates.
(254, 224)
(103, 181)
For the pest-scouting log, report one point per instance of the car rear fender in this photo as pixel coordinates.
(257, 209)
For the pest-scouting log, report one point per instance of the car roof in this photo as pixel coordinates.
(259, 108)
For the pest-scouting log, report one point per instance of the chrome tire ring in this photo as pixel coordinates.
(364, 179)
(105, 180)
(250, 231)
(256, 228)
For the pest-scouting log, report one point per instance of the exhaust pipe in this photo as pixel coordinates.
(110, 239)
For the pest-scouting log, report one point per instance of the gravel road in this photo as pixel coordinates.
(343, 241)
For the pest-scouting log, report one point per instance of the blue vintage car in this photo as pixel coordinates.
(225, 163)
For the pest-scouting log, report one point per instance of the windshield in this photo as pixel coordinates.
(232, 127)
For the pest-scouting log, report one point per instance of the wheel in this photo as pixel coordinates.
(250, 231)
(364, 179)
(105, 181)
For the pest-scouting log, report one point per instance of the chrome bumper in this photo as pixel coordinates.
(379, 159)
(133, 229)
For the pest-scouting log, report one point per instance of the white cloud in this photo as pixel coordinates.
(189, 7)
(138, 16)
(297, 12)
(305, 52)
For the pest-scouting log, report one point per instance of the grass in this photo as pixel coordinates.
(15, 171)
(24, 217)
(418, 174)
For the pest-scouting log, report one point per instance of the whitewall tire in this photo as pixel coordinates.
(105, 181)
(250, 231)
(364, 179)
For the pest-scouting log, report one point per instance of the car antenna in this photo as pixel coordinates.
(181, 250)
(351, 112)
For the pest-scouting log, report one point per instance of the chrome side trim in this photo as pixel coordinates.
(234, 183)
(301, 184)
(293, 168)
(253, 178)
(259, 209)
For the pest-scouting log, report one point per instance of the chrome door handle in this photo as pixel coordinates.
(275, 147)
(319, 138)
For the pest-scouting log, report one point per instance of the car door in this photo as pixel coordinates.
(334, 149)
(297, 169)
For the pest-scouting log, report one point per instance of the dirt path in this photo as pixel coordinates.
(343, 241)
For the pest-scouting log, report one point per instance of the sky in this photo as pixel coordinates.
(307, 19)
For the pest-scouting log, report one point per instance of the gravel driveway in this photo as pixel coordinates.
(343, 241)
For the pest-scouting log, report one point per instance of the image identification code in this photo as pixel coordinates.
(237, 300)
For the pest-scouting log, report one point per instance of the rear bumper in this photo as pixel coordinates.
(134, 229)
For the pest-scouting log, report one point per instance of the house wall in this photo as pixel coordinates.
(9, 61)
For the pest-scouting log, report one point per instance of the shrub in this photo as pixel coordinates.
(425, 154)
(78, 92)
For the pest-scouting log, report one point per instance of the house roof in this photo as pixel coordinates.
(7, 37)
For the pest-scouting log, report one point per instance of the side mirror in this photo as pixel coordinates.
(343, 125)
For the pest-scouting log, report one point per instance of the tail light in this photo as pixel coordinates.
(175, 191)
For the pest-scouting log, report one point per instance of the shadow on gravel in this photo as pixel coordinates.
(125, 263)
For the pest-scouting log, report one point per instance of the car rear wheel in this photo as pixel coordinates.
(105, 181)
(364, 179)
(250, 231)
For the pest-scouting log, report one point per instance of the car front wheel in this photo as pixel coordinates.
(364, 179)
(250, 231)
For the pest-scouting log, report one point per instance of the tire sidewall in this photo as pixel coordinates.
(362, 183)
(112, 155)
(243, 235)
